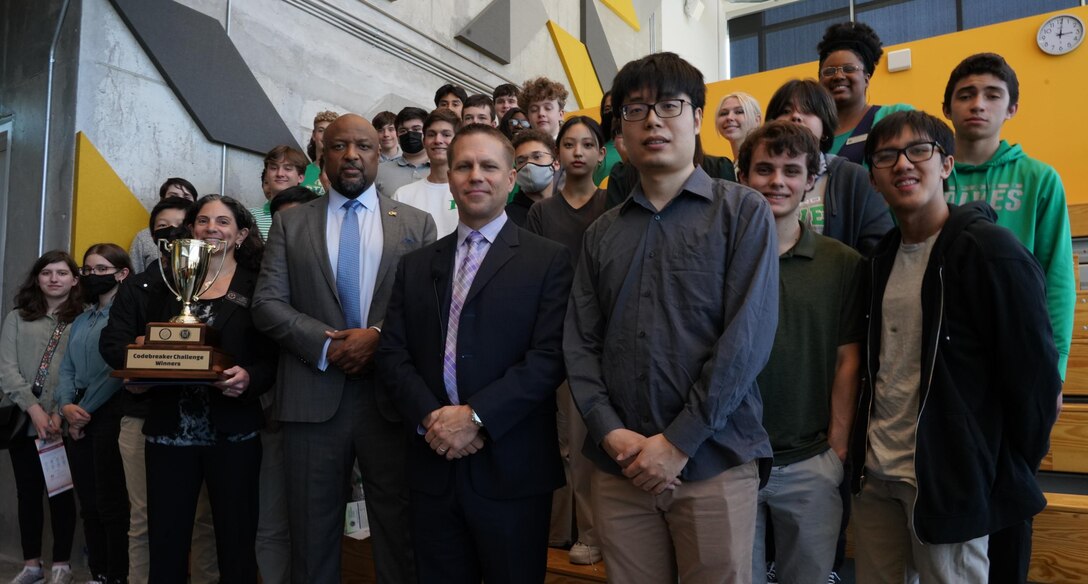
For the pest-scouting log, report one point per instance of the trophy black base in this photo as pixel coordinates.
(173, 362)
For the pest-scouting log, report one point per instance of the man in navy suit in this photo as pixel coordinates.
(472, 345)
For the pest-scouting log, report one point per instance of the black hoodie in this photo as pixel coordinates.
(989, 376)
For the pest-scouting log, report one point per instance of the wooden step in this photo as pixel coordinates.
(1069, 441)
(1076, 374)
(1060, 541)
(561, 571)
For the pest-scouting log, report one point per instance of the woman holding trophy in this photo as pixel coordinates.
(201, 432)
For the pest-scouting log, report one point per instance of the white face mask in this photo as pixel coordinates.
(534, 178)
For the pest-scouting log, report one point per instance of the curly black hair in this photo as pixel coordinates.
(858, 37)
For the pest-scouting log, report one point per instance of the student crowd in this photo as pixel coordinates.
(864, 312)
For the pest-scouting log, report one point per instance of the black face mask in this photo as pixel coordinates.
(95, 285)
(169, 233)
(411, 142)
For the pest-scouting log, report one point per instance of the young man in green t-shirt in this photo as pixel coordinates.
(809, 386)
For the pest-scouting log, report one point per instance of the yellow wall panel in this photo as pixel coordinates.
(625, 9)
(577, 65)
(1050, 123)
(104, 210)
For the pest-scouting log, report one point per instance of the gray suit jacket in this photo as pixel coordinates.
(296, 300)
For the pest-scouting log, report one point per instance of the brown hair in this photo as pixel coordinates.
(534, 135)
(114, 254)
(781, 137)
(444, 114)
(29, 299)
(542, 89)
(286, 154)
(486, 129)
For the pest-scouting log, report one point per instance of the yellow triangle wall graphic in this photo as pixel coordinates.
(625, 9)
(104, 209)
(577, 65)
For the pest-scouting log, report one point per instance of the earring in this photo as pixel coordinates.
(239, 245)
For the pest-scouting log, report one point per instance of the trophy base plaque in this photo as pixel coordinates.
(174, 352)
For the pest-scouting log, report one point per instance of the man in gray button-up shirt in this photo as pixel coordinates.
(672, 316)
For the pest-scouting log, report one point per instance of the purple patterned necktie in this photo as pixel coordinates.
(461, 285)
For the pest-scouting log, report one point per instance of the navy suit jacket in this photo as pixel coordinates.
(509, 362)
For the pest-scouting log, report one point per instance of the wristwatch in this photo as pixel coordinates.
(476, 419)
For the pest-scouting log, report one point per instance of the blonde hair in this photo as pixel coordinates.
(753, 115)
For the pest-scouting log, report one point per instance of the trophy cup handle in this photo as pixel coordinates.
(166, 246)
(208, 283)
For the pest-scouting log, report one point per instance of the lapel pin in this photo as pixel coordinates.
(392, 213)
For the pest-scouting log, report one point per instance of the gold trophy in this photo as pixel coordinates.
(180, 349)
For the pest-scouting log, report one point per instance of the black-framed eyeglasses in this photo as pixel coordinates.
(515, 124)
(666, 108)
(917, 152)
(97, 270)
(846, 70)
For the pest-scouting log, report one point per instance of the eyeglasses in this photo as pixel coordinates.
(846, 70)
(97, 270)
(666, 108)
(917, 152)
(535, 157)
(523, 124)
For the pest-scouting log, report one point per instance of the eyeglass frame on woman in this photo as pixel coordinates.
(830, 71)
(628, 117)
(934, 146)
(516, 123)
(97, 270)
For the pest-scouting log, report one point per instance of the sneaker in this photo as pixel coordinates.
(584, 555)
(29, 576)
(61, 575)
(772, 573)
(834, 578)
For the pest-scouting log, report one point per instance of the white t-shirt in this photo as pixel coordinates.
(898, 384)
(435, 199)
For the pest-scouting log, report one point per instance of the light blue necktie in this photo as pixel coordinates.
(347, 265)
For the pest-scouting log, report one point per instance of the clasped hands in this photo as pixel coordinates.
(451, 433)
(352, 349)
(652, 463)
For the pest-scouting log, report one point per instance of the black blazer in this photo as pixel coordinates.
(509, 365)
(148, 299)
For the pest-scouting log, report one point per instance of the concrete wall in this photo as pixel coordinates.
(26, 30)
(699, 41)
(307, 56)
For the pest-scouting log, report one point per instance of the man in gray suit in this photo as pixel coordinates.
(322, 293)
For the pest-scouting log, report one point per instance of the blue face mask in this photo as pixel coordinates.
(534, 178)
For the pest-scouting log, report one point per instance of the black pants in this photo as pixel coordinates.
(461, 537)
(29, 486)
(1010, 554)
(99, 477)
(174, 476)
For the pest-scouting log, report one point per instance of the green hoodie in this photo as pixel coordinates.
(1030, 201)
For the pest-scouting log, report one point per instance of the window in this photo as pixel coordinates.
(787, 35)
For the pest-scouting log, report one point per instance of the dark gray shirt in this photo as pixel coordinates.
(671, 317)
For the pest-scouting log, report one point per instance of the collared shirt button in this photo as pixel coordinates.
(657, 217)
(641, 334)
(652, 254)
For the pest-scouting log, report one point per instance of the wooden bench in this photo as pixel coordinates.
(1069, 441)
(1060, 541)
(561, 571)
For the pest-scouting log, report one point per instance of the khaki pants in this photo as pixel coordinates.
(204, 565)
(579, 471)
(888, 550)
(699, 533)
